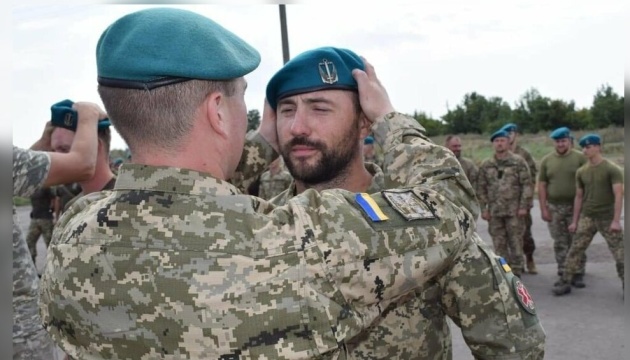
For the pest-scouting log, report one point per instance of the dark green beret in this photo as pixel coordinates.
(499, 133)
(590, 139)
(560, 133)
(324, 68)
(161, 46)
(510, 127)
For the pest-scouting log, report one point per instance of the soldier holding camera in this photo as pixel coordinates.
(504, 191)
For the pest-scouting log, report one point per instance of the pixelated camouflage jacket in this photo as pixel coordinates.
(416, 327)
(531, 164)
(30, 169)
(504, 186)
(273, 185)
(174, 263)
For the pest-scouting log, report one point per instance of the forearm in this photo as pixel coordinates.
(577, 207)
(618, 206)
(542, 195)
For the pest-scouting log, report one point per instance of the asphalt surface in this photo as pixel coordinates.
(587, 324)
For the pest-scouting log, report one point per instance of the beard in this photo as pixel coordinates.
(332, 162)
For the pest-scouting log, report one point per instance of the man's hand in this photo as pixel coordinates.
(615, 226)
(572, 227)
(372, 95)
(88, 112)
(544, 213)
(522, 212)
(268, 126)
(43, 144)
(485, 215)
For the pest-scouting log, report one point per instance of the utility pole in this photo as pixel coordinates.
(283, 32)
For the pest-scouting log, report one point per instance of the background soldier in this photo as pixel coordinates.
(504, 192)
(369, 152)
(33, 169)
(597, 207)
(529, 245)
(454, 143)
(42, 205)
(65, 193)
(274, 181)
(556, 193)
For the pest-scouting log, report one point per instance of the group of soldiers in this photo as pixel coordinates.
(579, 194)
(169, 257)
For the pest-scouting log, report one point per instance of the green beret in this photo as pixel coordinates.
(324, 68)
(510, 127)
(499, 133)
(161, 46)
(560, 133)
(590, 139)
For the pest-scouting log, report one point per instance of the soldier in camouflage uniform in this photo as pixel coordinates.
(42, 203)
(454, 144)
(504, 192)
(33, 169)
(597, 208)
(274, 181)
(529, 245)
(403, 332)
(175, 263)
(369, 152)
(556, 193)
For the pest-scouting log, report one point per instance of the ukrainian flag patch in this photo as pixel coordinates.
(505, 265)
(370, 207)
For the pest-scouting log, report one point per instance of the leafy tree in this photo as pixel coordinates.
(477, 114)
(432, 126)
(253, 119)
(607, 109)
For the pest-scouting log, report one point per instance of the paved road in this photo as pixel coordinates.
(588, 324)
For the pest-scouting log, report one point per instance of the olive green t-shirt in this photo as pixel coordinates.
(598, 201)
(558, 171)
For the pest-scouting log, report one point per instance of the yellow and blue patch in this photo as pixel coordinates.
(504, 265)
(370, 207)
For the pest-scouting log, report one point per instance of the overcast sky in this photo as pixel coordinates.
(427, 54)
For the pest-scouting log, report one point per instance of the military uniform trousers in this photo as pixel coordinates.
(586, 229)
(561, 217)
(507, 238)
(37, 346)
(36, 228)
(528, 240)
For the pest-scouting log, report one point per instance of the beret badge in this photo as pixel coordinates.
(328, 72)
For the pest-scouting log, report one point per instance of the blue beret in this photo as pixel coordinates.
(368, 140)
(323, 68)
(499, 133)
(510, 127)
(590, 139)
(161, 46)
(560, 133)
(63, 115)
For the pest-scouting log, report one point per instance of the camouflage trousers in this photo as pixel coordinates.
(561, 217)
(586, 229)
(528, 240)
(507, 238)
(37, 228)
(37, 346)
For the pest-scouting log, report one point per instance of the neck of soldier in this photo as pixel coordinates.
(596, 159)
(355, 178)
(102, 175)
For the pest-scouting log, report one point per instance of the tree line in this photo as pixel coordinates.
(533, 112)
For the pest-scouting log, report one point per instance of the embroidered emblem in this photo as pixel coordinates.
(523, 296)
(409, 205)
(328, 72)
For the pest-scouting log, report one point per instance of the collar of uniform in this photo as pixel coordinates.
(171, 180)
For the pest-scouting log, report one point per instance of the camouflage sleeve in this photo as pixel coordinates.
(531, 163)
(492, 307)
(527, 190)
(257, 155)
(30, 169)
(474, 173)
(410, 158)
(482, 184)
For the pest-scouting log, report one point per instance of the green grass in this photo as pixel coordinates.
(20, 201)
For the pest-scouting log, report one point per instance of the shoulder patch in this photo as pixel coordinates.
(409, 205)
(522, 296)
(370, 207)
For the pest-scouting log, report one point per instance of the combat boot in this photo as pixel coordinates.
(531, 266)
(562, 288)
(578, 281)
